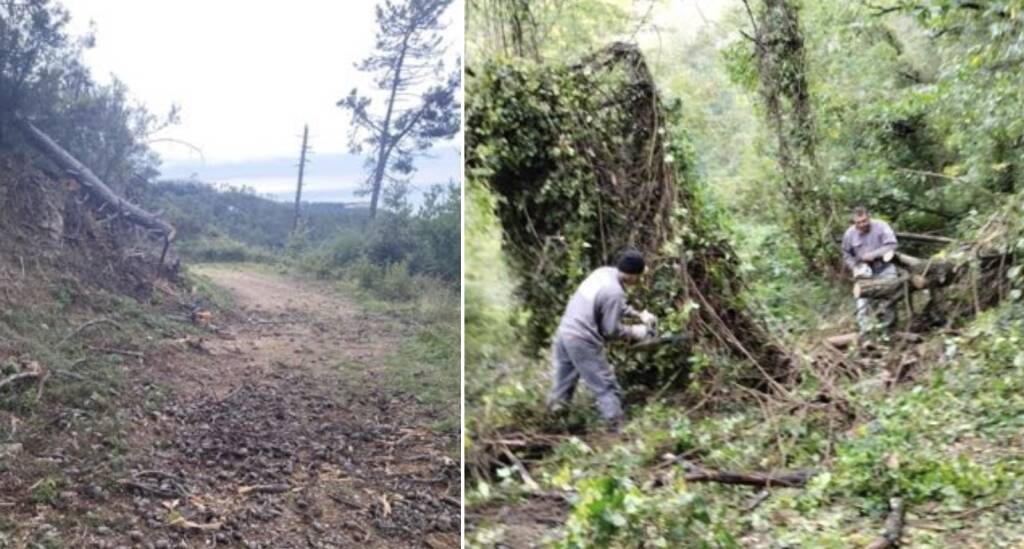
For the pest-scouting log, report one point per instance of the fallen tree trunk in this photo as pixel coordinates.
(930, 238)
(893, 526)
(94, 186)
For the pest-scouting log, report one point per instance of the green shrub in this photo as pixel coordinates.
(365, 273)
(343, 248)
(397, 284)
(220, 248)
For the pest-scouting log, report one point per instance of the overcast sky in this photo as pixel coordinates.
(247, 75)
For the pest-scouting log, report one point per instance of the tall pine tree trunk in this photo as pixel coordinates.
(384, 150)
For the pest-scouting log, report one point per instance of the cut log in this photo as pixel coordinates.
(93, 185)
(843, 341)
(879, 288)
(893, 526)
(793, 479)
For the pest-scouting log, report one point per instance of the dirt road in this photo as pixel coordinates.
(279, 429)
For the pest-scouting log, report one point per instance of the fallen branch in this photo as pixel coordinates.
(157, 491)
(264, 489)
(135, 354)
(17, 377)
(756, 501)
(79, 330)
(185, 524)
(527, 479)
(843, 341)
(792, 479)
(918, 237)
(345, 501)
(893, 526)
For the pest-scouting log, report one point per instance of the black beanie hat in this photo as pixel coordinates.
(630, 261)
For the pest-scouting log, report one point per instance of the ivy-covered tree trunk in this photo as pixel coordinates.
(781, 66)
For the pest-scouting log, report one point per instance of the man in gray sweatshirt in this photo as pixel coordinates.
(865, 244)
(592, 318)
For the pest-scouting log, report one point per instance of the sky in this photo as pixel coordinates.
(247, 75)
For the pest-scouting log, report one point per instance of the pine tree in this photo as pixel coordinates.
(420, 106)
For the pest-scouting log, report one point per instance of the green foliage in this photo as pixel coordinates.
(489, 312)
(45, 491)
(421, 106)
(529, 130)
(438, 231)
(43, 77)
(365, 273)
(396, 284)
(551, 30)
(915, 105)
(612, 512)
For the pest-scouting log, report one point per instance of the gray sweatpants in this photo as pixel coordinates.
(572, 359)
(867, 309)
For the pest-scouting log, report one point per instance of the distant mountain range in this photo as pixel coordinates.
(328, 177)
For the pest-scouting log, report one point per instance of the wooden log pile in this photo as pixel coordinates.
(921, 274)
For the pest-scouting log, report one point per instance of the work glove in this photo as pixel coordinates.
(862, 271)
(648, 318)
(639, 332)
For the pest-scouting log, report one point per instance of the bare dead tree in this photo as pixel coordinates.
(302, 169)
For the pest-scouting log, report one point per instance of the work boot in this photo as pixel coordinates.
(558, 410)
(614, 426)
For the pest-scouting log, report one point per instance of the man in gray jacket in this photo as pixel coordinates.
(591, 319)
(865, 245)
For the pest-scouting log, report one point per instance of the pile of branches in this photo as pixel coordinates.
(587, 159)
